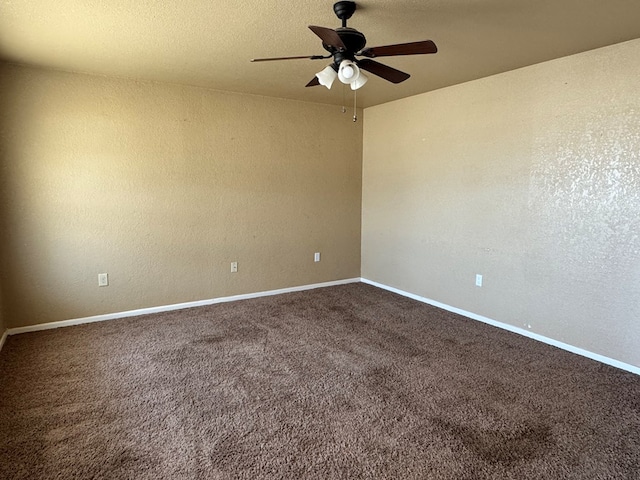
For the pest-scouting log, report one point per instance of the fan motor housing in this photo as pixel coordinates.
(353, 40)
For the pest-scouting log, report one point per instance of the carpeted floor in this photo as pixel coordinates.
(341, 382)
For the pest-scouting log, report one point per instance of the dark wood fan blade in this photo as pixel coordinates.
(384, 71)
(412, 48)
(329, 37)
(271, 59)
(313, 82)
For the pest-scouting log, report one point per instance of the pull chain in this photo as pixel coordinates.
(355, 105)
(344, 98)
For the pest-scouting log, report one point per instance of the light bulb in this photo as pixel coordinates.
(348, 72)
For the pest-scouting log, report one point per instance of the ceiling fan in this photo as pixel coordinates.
(344, 44)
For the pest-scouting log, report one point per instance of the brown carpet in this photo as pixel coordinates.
(341, 382)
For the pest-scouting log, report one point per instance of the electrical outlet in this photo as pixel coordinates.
(478, 280)
(316, 257)
(103, 279)
(234, 267)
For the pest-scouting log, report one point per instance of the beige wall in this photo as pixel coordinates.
(162, 186)
(3, 327)
(3, 323)
(531, 178)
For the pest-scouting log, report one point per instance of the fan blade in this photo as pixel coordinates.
(313, 82)
(384, 71)
(412, 48)
(329, 37)
(308, 57)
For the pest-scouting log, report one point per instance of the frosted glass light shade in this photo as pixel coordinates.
(359, 82)
(327, 76)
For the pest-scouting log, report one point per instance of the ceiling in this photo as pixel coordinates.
(209, 43)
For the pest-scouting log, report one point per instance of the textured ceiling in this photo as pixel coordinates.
(209, 42)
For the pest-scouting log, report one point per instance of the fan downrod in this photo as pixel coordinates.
(344, 10)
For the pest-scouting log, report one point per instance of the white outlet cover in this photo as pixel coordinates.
(103, 279)
(478, 280)
(316, 257)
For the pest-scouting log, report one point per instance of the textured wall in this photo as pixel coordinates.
(3, 327)
(531, 178)
(162, 186)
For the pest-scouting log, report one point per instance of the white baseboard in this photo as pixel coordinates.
(167, 308)
(511, 328)
(3, 339)
(233, 298)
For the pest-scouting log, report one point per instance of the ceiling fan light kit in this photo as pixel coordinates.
(349, 74)
(344, 44)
